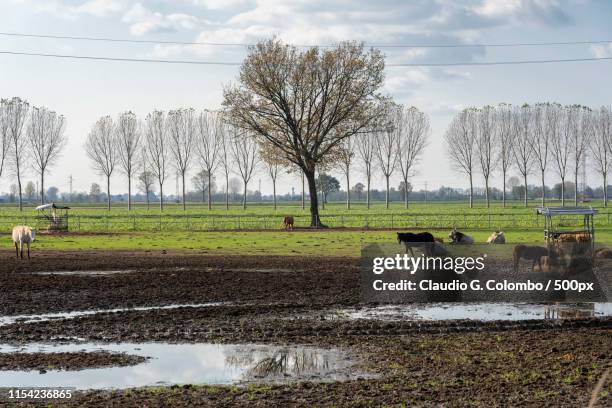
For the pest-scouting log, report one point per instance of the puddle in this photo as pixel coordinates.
(6, 320)
(475, 311)
(203, 363)
(84, 273)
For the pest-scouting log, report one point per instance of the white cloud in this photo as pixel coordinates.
(99, 8)
(602, 51)
(143, 21)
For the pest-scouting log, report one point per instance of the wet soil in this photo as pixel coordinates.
(44, 362)
(454, 364)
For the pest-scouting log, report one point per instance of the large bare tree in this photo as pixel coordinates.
(561, 146)
(460, 141)
(273, 162)
(366, 148)
(46, 136)
(4, 133)
(17, 114)
(543, 127)
(412, 127)
(306, 102)
(244, 155)
(486, 146)
(157, 150)
(580, 137)
(522, 151)
(128, 131)
(209, 142)
(101, 148)
(182, 127)
(387, 138)
(503, 139)
(346, 154)
(601, 146)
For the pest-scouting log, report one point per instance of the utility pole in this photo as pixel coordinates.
(70, 181)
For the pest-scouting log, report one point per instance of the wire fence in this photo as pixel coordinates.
(169, 223)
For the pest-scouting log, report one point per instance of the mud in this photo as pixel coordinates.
(43, 362)
(531, 363)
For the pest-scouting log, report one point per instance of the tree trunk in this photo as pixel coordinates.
(487, 197)
(504, 189)
(543, 190)
(525, 196)
(42, 187)
(161, 196)
(244, 196)
(129, 192)
(348, 192)
(274, 192)
(148, 206)
(183, 186)
(108, 196)
(563, 191)
(471, 192)
(576, 187)
(303, 193)
(605, 189)
(209, 195)
(226, 191)
(387, 193)
(315, 220)
(406, 193)
(368, 176)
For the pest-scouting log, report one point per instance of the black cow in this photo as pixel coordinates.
(422, 240)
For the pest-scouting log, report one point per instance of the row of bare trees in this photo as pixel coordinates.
(30, 138)
(166, 142)
(531, 139)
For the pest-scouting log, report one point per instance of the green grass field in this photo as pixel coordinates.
(315, 243)
(262, 216)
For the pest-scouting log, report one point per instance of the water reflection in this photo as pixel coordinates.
(202, 363)
(6, 320)
(477, 311)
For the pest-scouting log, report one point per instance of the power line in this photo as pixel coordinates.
(230, 44)
(423, 64)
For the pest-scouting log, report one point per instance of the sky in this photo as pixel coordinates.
(85, 90)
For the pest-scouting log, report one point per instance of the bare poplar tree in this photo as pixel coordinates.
(387, 138)
(306, 102)
(46, 137)
(561, 145)
(17, 114)
(244, 154)
(580, 138)
(128, 131)
(181, 135)
(460, 140)
(157, 150)
(503, 139)
(412, 127)
(522, 151)
(146, 179)
(225, 156)
(209, 141)
(486, 147)
(600, 147)
(366, 145)
(101, 148)
(4, 133)
(346, 153)
(543, 127)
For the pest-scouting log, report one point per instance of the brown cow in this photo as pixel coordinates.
(531, 253)
(288, 223)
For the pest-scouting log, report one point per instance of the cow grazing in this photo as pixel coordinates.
(531, 253)
(288, 223)
(458, 237)
(422, 240)
(23, 235)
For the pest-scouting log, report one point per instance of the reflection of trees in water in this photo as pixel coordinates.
(569, 311)
(283, 361)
